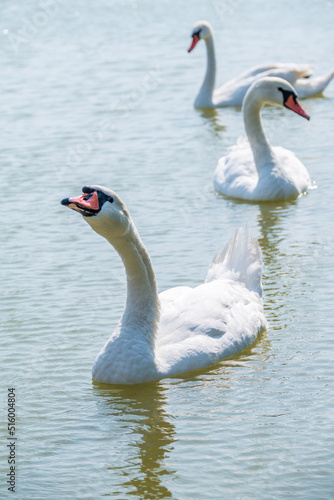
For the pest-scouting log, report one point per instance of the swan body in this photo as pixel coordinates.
(233, 92)
(253, 169)
(181, 329)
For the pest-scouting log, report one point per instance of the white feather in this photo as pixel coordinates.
(233, 91)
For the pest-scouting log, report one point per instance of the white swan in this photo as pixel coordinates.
(183, 328)
(253, 169)
(233, 91)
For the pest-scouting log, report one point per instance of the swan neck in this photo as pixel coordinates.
(205, 95)
(262, 151)
(141, 314)
(210, 75)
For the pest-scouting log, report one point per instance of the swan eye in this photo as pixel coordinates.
(110, 199)
(197, 33)
(287, 94)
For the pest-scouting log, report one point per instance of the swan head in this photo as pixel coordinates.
(201, 31)
(103, 210)
(275, 92)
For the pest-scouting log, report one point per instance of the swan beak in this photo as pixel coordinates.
(195, 41)
(85, 201)
(293, 104)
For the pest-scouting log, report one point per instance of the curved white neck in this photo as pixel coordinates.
(262, 151)
(204, 98)
(141, 314)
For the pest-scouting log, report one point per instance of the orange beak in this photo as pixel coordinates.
(293, 104)
(90, 201)
(195, 41)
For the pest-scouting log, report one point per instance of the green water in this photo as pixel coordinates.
(103, 93)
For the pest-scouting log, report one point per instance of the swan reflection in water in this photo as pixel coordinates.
(211, 120)
(139, 432)
(280, 272)
(144, 440)
(272, 223)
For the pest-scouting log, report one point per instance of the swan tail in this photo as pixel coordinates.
(240, 260)
(314, 86)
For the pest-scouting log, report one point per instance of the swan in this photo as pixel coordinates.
(253, 169)
(182, 328)
(233, 91)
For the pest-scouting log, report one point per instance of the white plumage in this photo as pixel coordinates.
(253, 169)
(183, 328)
(233, 91)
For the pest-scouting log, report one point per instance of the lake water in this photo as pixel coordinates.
(103, 93)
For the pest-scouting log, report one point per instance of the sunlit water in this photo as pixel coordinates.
(103, 93)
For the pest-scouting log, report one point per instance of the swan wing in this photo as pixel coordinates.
(236, 174)
(292, 170)
(233, 92)
(240, 260)
(305, 70)
(203, 325)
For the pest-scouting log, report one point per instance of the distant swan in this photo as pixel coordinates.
(182, 328)
(233, 91)
(253, 169)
